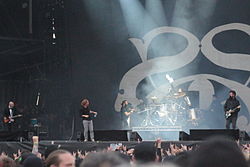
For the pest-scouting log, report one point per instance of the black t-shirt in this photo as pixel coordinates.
(232, 103)
(126, 108)
(85, 111)
(7, 112)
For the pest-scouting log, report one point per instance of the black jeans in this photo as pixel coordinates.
(10, 126)
(232, 119)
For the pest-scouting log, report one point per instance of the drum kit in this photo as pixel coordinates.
(172, 110)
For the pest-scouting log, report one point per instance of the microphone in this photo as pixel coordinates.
(37, 98)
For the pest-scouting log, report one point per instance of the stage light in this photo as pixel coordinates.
(53, 31)
(156, 10)
(54, 35)
(136, 17)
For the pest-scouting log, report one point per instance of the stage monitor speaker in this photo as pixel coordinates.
(11, 136)
(79, 136)
(135, 137)
(183, 136)
(203, 134)
(111, 135)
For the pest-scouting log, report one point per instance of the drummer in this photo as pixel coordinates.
(142, 105)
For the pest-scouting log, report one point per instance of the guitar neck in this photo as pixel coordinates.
(233, 110)
(16, 116)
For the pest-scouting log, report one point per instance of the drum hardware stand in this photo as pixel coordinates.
(147, 121)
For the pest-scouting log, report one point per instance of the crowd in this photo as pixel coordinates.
(215, 152)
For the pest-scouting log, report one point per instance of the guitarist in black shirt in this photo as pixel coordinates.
(231, 108)
(126, 111)
(9, 115)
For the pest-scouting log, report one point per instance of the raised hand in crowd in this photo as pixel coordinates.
(158, 143)
(80, 154)
(168, 152)
(130, 151)
(174, 149)
(3, 154)
(74, 154)
(184, 147)
(17, 155)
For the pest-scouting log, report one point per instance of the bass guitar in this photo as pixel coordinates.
(11, 119)
(129, 112)
(229, 112)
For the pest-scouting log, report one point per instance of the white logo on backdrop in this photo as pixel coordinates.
(201, 82)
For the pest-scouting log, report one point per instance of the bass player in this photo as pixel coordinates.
(231, 108)
(126, 111)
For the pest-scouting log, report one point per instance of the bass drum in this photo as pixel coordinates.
(168, 114)
(156, 118)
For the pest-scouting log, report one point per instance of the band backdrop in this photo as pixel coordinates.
(123, 50)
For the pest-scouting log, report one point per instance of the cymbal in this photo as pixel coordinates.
(179, 94)
(154, 98)
(155, 105)
(176, 95)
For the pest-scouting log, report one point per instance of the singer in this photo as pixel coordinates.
(86, 115)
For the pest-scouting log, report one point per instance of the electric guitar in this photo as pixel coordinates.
(11, 119)
(131, 110)
(229, 112)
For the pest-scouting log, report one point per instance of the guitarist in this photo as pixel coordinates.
(9, 112)
(126, 111)
(232, 105)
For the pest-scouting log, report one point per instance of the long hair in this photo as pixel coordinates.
(233, 92)
(123, 102)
